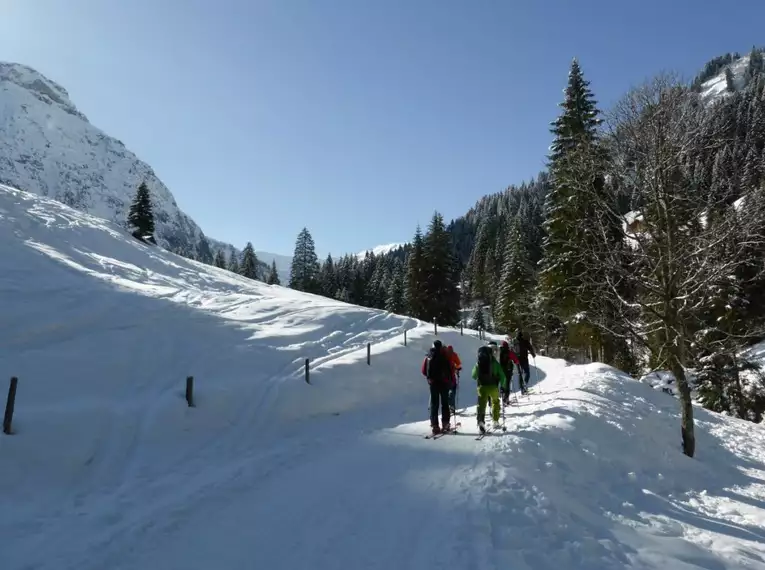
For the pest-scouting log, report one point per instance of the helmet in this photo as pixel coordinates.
(437, 344)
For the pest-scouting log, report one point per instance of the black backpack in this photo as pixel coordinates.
(504, 355)
(484, 365)
(434, 366)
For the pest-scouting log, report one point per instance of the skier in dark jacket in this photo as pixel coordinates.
(437, 368)
(522, 349)
(506, 359)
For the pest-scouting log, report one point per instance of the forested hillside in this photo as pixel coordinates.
(641, 246)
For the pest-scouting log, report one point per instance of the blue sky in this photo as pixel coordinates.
(355, 118)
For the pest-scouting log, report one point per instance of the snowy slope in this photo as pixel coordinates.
(49, 148)
(110, 469)
(715, 88)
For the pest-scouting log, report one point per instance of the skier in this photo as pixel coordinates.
(489, 376)
(506, 358)
(522, 348)
(456, 367)
(437, 369)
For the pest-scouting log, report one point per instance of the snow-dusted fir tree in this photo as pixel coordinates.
(304, 274)
(415, 293)
(141, 215)
(328, 278)
(442, 297)
(273, 274)
(249, 266)
(566, 208)
(395, 294)
(233, 262)
(478, 320)
(516, 290)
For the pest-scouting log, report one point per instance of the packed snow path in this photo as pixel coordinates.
(588, 476)
(109, 469)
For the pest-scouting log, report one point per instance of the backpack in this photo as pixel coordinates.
(504, 356)
(484, 366)
(434, 365)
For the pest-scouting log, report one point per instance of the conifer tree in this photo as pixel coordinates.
(442, 297)
(562, 268)
(304, 274)
(220, 259)
(395, 294)
(249, 266)
(233, 262)
(415, 293)
(273, 275)
(141, 215)
(327, 278)
(516, 289)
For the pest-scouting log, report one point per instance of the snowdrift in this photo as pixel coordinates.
(110, 469)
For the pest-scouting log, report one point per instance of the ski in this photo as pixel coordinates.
(439, 434)
(490, 431)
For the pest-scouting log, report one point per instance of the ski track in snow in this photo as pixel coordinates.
(110, 469)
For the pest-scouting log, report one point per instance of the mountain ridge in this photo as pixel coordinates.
(49, 147)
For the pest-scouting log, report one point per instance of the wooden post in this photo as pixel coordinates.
(461, 334)
(9, 405)
(307, 372)
(190, 391)
(435, 326)
(404, 337)
(369, 353)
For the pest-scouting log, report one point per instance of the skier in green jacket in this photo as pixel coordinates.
(489, 376)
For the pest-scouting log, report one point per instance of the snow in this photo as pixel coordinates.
(48, 147)
(716, 87)
(109, 468)
(380, 249)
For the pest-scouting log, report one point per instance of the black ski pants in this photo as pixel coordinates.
(524, 372)
(439, 397)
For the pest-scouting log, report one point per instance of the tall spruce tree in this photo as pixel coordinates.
(304, 274)
(415, 293)
(515, 296)
(442, 297)
(563, 269)
(249, 266)
(395, 294)
(141, 215)
(273, 275)
(327, 278)
(233, 262)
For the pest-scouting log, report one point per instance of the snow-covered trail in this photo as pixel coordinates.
(580, 481)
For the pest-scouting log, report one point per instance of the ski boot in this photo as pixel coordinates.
(482, 427)
(435, 430)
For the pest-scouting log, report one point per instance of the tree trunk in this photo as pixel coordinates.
(677, 359)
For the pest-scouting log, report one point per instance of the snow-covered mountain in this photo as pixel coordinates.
(110, 468)
(283, 263)
(380, 249)
(48, 147)
(740, 74)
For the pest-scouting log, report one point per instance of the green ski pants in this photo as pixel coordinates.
(486, 393)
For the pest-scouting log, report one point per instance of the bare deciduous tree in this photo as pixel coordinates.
(662, 275)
